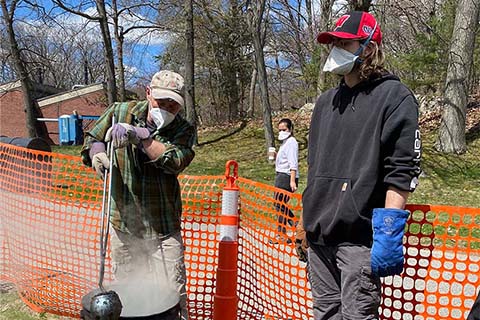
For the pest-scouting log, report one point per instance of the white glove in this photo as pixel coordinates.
(100, 163)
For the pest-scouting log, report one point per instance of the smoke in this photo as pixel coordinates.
(143, 296)
(147, 289)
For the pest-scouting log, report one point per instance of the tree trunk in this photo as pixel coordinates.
(34, 128)
(451, 138)
(308, 6)
(280, 80)
(297, 31)
(256, 18)
(324, 25)
(251, 95)
(85, 71)
(360, 5)
(108, 52)
(118, 32)
(230, 88)
(191, 112)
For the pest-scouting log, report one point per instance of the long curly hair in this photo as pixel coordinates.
(373, 63)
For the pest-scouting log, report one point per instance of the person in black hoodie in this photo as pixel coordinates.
(363, 161)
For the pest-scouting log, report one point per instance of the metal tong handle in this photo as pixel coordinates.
(106, 211)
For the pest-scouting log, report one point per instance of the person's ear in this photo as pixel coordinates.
(148, 91)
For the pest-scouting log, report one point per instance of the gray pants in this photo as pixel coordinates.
(343, 287)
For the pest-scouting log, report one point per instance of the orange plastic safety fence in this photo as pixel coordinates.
(49, 228)
(49, 245)
(201, 208)
(272, 281)
(442, 265)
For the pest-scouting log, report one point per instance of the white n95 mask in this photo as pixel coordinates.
(340, 61)
(160, 117)
(282, 135)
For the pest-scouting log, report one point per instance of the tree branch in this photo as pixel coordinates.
(86, 16)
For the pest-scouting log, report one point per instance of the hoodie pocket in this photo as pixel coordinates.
(328, 202)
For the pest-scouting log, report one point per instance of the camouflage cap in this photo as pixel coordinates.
(167, 84)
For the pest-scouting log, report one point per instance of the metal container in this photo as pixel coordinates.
(136, 303)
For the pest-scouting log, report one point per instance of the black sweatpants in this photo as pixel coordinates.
(282, 181)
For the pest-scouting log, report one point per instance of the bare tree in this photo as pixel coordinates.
(102, 20)
(223, 55)
(324, 24)
(360, 5)
(119, 38)
(34, 128)
(190, 64)
(251, 95)
(311, 31)
(109, 58)
(128, 17)
(256, 12)
(293, 33)
(451, 138)
(60, 54)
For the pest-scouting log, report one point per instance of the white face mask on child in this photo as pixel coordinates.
(282, 135)
(160, 117)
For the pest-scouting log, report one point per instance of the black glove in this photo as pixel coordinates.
(301, 244)
(301, 247)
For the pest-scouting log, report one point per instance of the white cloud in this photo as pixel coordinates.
(140, 45)
(85, 28)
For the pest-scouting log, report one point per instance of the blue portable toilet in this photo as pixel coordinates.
(70, 129)
(64, 130)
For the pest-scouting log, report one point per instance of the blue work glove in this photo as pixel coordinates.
(123, 134)
(387, 249)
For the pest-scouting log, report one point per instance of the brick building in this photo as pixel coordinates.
(88, 100)
(12, 107)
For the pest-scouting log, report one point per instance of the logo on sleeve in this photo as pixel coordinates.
(417, 146)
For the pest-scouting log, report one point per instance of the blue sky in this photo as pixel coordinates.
(142, 45)
(139, 61)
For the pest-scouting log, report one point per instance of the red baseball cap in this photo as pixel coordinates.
(356, 25)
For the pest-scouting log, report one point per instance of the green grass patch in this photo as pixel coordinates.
(447, 179)
(11, 307)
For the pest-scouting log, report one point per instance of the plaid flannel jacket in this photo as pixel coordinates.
(146, 197)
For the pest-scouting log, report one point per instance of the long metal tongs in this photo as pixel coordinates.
(106, 210)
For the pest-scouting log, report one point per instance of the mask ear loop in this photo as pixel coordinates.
(364, 44)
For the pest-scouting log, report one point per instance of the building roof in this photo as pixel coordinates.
(5, 87)
(74, 93)
(16, 84)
